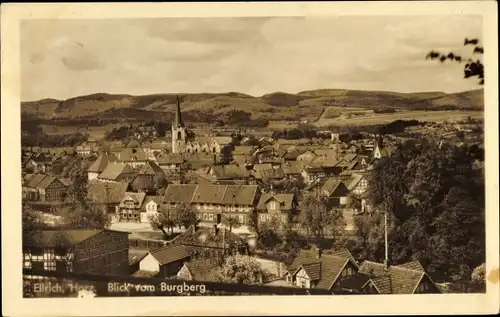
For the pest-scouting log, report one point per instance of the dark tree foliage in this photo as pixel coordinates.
(42, 139)
(473, 66)
(435, 198)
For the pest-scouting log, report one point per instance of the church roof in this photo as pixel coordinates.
(178, 116)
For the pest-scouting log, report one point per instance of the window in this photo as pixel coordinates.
(241, 219)
(233, 208)
(272, 205)
(210, 217)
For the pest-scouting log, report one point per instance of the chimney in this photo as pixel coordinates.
(317, 251)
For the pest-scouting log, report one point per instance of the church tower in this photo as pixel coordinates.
(178, 131)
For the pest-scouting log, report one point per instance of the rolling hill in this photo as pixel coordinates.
(272, 106)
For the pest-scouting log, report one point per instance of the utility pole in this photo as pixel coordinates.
(386, 260)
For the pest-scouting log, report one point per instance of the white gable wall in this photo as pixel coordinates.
(149, 263)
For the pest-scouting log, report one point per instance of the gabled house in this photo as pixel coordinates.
(201, 270)
(292, 169)
(408, 278)
(232, 173)
(166, 261)
(109, 194)
(151, 206)
(135, 157)
(97, 251)
(129, 209)
(276, 207)
(38, 163)
(177, 194)
(332, 189)
(306, 157)
(40, 187)
(100, 165)
(316, 269)
(149, 177)
(117, 172)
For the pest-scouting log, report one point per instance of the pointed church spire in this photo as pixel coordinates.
(178, 118)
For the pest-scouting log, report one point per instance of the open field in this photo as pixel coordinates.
(383, 118)
(96, 132)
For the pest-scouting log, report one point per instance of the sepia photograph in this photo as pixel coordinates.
(169, 154)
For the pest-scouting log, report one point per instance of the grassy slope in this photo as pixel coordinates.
(273, 106)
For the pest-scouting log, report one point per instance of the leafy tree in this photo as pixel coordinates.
(316, 217)
(435, 200)
(479, 274)
(231, 222)
(87, 216)
(31, 220)
(473, 65)
(354, 202)
(240, 269)
(163, 220)
(79, 212)
(187, 215)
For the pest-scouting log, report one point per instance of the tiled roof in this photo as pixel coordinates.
(285, 199)
(331, 186)
(132, 154)
(353, 282)
(404, 281)
(102, 161)
(114, 170)
(415, 265)
(179, 193)
(240, 194)
(47, 181)
(169, 254)
(34, 181)
(350, 157)
(292, 155)
(372, 268)
(143, 182)
(210, 194)
(157, 199)
(202, 269)
(304, 257)
(353, 181)
(290, 168)
(150, 168)
(345, 254)
(138, 198)
(136, 255)
(98, 191)
(313, 270)
(398, 279)
(171, 158)
(55, 238)
(272, 173)
(229, 171)
(331, 267)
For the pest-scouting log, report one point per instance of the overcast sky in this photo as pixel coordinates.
(67, 58)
